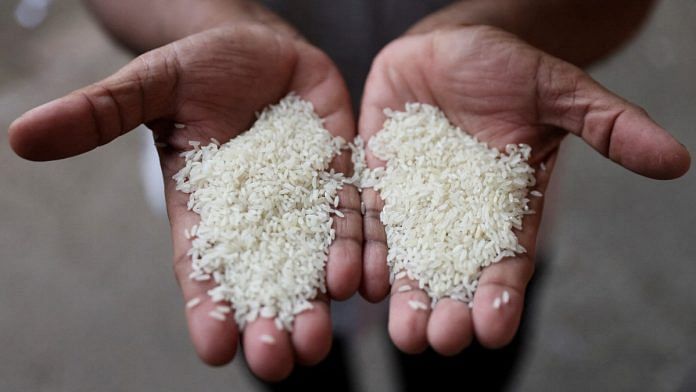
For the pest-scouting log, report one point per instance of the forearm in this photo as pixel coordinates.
(578, 31)
(144, 25)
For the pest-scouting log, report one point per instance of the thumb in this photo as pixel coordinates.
(568, 98)
(142, 91)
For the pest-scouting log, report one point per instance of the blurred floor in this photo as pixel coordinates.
(88, 300)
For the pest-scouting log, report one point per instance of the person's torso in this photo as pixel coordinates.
(352, 32)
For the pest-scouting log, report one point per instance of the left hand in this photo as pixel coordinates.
(501, 90)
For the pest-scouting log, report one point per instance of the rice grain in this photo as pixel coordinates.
(267, 339)
(265, 202)
(417, 305)
(193, 302)
(451, 203)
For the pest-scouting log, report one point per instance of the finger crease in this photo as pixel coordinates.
(98, 132)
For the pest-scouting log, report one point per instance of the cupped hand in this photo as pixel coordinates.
(501, 90)
(213, 83)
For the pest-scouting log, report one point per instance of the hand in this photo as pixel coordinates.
(214, 82)
(503, 91)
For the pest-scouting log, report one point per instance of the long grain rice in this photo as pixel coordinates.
(265, 202)
(451, 203)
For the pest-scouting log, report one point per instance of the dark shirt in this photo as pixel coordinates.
(352, 32)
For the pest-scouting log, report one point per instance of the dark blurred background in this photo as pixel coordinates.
(88, 300)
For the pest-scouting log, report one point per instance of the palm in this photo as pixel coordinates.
(503, 91)
(213, 83)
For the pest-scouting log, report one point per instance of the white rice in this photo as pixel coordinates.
(417, 305)
(265, 201)
(179, 126)
(536, 193)
(506, 297)
(267, 339)
(357, 156)
(201, 277)
(193, 302)
(217, 315)
(404, 288)
(450, 202)
(267, 312)
(496, 303)
(223, 309)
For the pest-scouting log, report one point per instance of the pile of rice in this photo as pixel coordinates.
(265, 200)
(450, 202)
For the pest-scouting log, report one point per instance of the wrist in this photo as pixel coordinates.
(472, 13)
(142, 26)
(214, 14)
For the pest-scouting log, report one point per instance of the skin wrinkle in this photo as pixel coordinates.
(346, 225)
(100, 140)
(141, 93)
(174, 74)
(430, 60)
(181, 266)
(559, 95)
(155, 64)
(141, 82)
(498, 116)
(489, 40)
(392, 75)
(353, 238)
(120, 114)
(370, 236)
(344, 249)
(608, 133)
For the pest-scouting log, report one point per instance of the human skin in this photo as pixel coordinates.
(499, 88)
(213, 82)
(224, 60)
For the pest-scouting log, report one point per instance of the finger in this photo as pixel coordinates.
(311, 333)
(381, 92)
(344, 265)
(499, 298)
(215, 341)
(570, 99)
(386, 88)
(268, 350)
(318, 81)
(87, 118)
(450, 328)
(496, 322)
(311, 337)
(375, 280)
(408, 317)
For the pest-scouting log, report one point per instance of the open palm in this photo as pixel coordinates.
(213, 83)
(503, 91)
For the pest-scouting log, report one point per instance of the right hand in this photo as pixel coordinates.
(214, 82)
